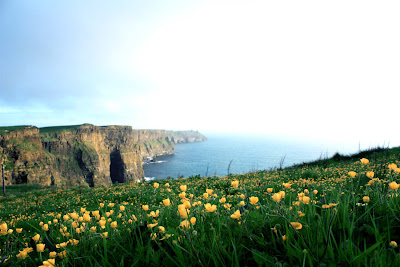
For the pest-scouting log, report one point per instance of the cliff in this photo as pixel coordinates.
(71, 155)
(185, 136)
(153, 143)
(86, 155)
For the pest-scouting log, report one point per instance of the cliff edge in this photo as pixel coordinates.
(70, 155)
(185, 136)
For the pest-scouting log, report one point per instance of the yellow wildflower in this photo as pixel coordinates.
(370, 174)
(366, 199)
(364, 161)
(352, 174)
(145, 207)
(253, 200)
(40, 247)
(210, 208)
(183, 188)
(222, 200)
(166, 202)
(235, 184)
(236, 215)
(296, 225)
(156, 185)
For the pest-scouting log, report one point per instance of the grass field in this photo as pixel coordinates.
(341, 211)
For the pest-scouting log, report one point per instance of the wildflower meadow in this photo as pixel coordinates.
(338, 211)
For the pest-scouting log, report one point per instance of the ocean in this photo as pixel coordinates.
(240, 154)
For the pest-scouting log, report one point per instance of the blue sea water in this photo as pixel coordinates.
(244, 153)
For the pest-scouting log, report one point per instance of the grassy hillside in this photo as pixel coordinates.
(339, 211)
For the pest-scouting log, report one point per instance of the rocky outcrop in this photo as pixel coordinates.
(73, 155)
(153, 143)
(185, 136)
(86, 155)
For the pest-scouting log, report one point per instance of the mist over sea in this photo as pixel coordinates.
(246, 153)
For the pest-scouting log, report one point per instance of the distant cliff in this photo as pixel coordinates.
(71, 155)
(153, 143)
(185, 136)
(86, 155)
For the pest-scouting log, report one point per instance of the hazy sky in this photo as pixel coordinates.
(318, 69)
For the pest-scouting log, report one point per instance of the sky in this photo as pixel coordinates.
(326, 70)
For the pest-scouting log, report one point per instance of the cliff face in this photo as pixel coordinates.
(153, 143)
(186, 136)
(80, 155)
(83, 154)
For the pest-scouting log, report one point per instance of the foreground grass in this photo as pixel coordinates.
(341, 211)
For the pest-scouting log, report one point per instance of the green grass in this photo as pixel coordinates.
(9, 129)
(58, 129)
(339, 225)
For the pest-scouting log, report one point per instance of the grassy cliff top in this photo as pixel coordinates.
(59, 129)
(8, 129)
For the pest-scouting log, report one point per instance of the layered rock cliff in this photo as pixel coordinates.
(73, 155)
(153, 143)
(86, 155)
(185, 136)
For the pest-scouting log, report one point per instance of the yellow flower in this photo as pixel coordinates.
(152, 225)
(241, 203)
(284, 238)
(62, 254)
(296, 225)
(393, 244)
(210, 208)
(306, 191)
(235, 184)
(183, 188)
(227, 206)
(22, 254)
(276, 197)
(10, 231)
(183, 212)
(74, 215)
(394, 186)
(364, 161)
(370, 174)
(66, 217)
(122, 208)
(186, 204)
(366, 199)
(161, 229)
(222, 200)
(205, 195)
(306, 200)
(145, 207)
(101, 205)
(36, 237)
(185, 224)
(287, 185)
(40, 247)
(269, 190)
(182, 194)
(111, 204)
(236, 215)
(52, 254)
(282, 193)
(49, 262)
(166, 202)
(153, 236)
(166, 185)
(113, 224)
(242, 196)
(86, 217)
(193, 220)
(253, 200)
(104, 235)
(19, 230)
(209, 191)
(315, 192)
(156, 185)
(352, 174)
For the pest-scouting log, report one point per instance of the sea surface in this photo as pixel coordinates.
(240, 154)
